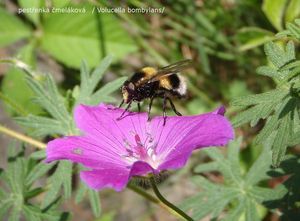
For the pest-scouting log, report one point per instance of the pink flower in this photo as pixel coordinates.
(116, 150)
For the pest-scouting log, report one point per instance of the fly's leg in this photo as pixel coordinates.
(139, 107)
(173, 107)
(164, 109)
(128, 106)
(149, 107)
(120, 105)
(114, 108)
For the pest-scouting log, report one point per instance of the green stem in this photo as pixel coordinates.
(20, 64)
(22, 137)
(143, 193)
(167, 203)
(151, 198)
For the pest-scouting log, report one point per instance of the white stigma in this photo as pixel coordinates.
(141, 150)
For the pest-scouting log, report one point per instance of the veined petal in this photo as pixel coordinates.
(115, 150)
(140, 168)
(188, 133)
(82, 150)
(116, 178)
(101, 123)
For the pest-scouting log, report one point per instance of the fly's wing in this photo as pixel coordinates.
(171, 69)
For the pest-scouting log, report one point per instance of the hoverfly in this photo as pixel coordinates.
(151, 83)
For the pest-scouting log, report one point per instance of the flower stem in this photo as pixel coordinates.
(151, 198)
(22, 137)
(167, 203)
(144, 194)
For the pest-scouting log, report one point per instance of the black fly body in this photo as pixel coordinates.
(151, 83)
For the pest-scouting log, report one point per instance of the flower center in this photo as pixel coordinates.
(141, 151)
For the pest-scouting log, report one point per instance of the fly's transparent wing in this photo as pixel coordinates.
(172, 69)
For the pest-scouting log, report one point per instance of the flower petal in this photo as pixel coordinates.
(221, 111)
(82, 150)
(102, 123)
(140, 168)
(116, 178)
(182, 135)
(103, 147)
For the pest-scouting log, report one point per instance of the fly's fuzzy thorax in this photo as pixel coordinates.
(149, 72)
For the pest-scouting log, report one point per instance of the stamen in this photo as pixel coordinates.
(127, 144)
(138, 140)
(141, 151)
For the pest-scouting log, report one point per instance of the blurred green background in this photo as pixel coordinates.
(223, 37)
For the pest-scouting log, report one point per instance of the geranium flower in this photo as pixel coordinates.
(116, 150)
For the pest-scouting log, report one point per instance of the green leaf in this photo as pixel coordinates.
(14, 214)
(293, 30)
(282, 138)
(236, 212)
(274, 10)
(18, 193)
(267, 71)
(80, 192)
(251, 211)
(238, 194)
(39, 170)
(84, 36)
(33, 192)
(13, 82)
(43, 126)
(11, 28)
(5, 204)
(207, 167)
(287, 192)
(252, 114)
(32, 213)
(291, 65)
(252, 37)
(90, 81)
(270, 96)
(107, 89)
(95, 202)
(16, 170)
(263, 194)
(292, 11)
(99, 71)
(262, 164)
(278, 56)
(295, 139)
(38, 155)
(29, 4)
(215, 198)
(51, 100)
(274, 105)
(12, 106)
(61, 178)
